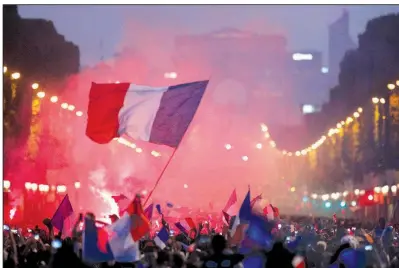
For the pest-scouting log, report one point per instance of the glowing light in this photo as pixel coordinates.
(54, 99)
(144, 192)
(345, 193)
(71, 107)
(245, 158)
(385, 189)
(263, 127)
(228, 146)
(44, 188)
(391, 86)
(377, 189)
(292, 189)
(325, 197)
(41, 94)
(185, 186)
(61, 189)
(64, 105)
(328, 204)
(370, 197)
(77, 185)
(139, 150)
(305, 199)
(382, 100)
(117, 82)
(15, 76)
(171, 75)
(356, 114)
(79, 113)
(375, 100)
(259, 145)
(35, 85)
(394, 189)
(339, 125)
(5, 69)
(33, 186)
(297, 153)
(357, 191)
(155, 153)
(353, 203)
(273, 144)
(314, 196)
(12, 213)
(362, 192)
(360, 110)
(6, 185)
(397, 83)
(343, 204)
(324, 70)
(301, 56)
(28, 185)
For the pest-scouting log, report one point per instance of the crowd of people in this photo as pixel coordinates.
(321, 243)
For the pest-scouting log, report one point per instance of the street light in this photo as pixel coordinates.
(391, 86)
(35, 85)
(41, 94)
(15, 75)
(382, 100)
(375, 100)
(54, 99)
(4, 69)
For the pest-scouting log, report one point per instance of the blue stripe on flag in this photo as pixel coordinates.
(91, 252)
(176, 111)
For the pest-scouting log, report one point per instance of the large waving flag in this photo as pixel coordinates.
(158, 115)
(63, 218)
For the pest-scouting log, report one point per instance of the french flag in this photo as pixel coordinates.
(122, 201)
(232, 200)
(118, 241)
(159, 115)
(162, 238)
(271, 212)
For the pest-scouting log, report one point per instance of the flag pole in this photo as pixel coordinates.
(160, 175)
(169, 160)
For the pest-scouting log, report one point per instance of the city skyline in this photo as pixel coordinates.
(99, 31)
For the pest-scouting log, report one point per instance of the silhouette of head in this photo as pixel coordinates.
(218, 244)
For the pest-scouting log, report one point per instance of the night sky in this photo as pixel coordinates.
(98, 30)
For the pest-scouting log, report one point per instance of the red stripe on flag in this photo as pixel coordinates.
(191, 223)
(105, 101)
(140, 224)
(232, 200)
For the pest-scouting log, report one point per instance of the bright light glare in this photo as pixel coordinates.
(35, 85)
(41, 94)
(54, 99)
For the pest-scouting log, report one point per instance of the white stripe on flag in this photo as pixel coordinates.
(159, 242)
(139, 109)
(121, 241)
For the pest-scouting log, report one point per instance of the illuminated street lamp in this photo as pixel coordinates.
(41, 94)
(35, 85)
(54, 99)
(375, 100)
(382, 100)
(15, 76)
(5, 69)
(391, 86)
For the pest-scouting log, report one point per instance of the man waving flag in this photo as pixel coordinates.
(159, 115)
